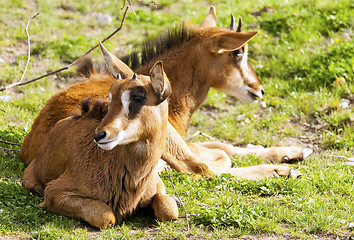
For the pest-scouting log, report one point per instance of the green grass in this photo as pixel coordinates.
(301, 49)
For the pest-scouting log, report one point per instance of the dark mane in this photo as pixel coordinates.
(157, 47)
(85, 67)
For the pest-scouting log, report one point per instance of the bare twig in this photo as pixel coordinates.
(152, 229)
(2, 110)
(151, 2)
(9, 149)
(337, 156)
(29, 46)
(122, 6)
(351, 159)
(131, 7)
(155, 4)
(185, 211)
(71, 64)
(200, 133)
(28, 57)
(10, 143)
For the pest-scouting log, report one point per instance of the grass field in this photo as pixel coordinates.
(304, 55)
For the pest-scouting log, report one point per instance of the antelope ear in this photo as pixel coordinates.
(229, 41)
(115, 65)
(159, 82)
(210, 20)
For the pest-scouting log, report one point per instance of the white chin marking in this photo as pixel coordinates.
(106, 146)
(110, 145)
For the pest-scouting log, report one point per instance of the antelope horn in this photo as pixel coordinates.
(232, 24)
(134, 77)
(239, 28)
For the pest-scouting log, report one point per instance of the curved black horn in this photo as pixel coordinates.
(232, 24)
(239, 28)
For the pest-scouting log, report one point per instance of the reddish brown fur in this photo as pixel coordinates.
(81, 180)
(189, 79)
(62, 105)
(193, 67)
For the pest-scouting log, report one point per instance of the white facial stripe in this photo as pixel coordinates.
(110, 96)
(244, 63)
(245, 52)
(117, 122)
(126, 101)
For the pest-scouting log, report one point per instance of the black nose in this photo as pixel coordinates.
(262, 91)
(99, 136)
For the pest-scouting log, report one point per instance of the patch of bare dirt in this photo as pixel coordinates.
(9, 54)
(211, 111)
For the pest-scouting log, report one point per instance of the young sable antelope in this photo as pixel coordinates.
(101, 170)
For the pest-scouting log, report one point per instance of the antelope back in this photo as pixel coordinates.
(137, 110)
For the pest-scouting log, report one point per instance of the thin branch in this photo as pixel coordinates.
(200, 133)
(337, 156)
(185, 211)
(71, 64)
(10, 143)
(131, 7)
(3, 110)
(152, 229)
(151, 2)
(155, 4)
(122, 6)
(9, 149)
(29, 46)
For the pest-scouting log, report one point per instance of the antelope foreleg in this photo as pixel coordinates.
(164, 206)
(65, 202)
(181, 157)
(30, 181)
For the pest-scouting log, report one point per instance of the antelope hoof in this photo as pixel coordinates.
(295, 174)
(307, 152)
(106, 220)
(286, 154)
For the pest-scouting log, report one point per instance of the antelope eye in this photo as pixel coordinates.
(138, 98)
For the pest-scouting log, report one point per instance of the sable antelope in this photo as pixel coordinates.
(100, 166)
(195, 59)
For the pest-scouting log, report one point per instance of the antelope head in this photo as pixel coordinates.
(137, 108)
(227, 53)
